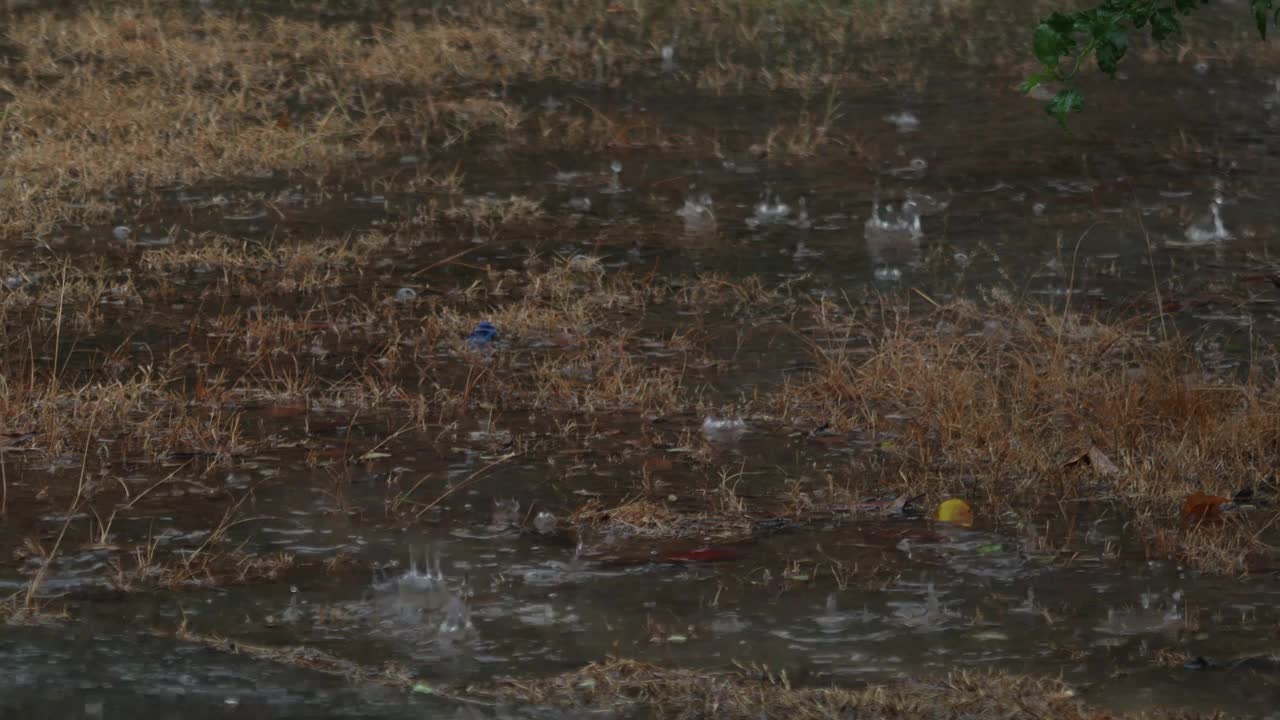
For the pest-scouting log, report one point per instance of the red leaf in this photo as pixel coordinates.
(705, 554)
(1199, 507)
(656, 464)
(283, 410)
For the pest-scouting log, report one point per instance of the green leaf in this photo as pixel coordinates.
(1164, 23)
(1064, 103)
(1033, 81)
(1051, 43)
(1260, 10)
(1063, 24)
(424, 689)
(1111, 48)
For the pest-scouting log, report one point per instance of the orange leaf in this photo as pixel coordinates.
(1199, 507)
(656, 464)
(283, 410)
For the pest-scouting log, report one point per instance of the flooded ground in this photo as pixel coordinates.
(748, 271)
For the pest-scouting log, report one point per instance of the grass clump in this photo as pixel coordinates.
(643, 690)
(996, 403)
(638, 689)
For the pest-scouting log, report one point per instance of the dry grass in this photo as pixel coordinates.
(236, 329)
(639, 689)
(193, 346)
(144, 570)
(641, 518)
(302, 657)
(994, 404)
(105, 106)
(986, 402)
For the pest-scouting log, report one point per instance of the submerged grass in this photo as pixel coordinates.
(994, 401)
(635, 689)
(642, 690)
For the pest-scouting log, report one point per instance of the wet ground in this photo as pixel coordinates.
(1160, 200)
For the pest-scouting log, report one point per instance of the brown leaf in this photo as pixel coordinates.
(1101, 463)
(281, 411)
(13, 441)
(1199, 507)
(657, 464)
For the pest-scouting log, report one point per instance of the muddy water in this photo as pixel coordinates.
(461, 596)
(458, 598)
(1106, 216)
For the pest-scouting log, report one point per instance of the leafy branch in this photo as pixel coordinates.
(1063, 42)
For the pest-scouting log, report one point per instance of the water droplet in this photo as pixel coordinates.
(545, 523)
(770, 210)
(723, 429)
(1209, 228)
(888, 273)
(697, 213)
(906, 121)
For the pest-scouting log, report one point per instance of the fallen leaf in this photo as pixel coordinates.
(956, 511)
(705, 554)
(1097, 459)
(657, 464)
(902, 505)
(281, 411)
(897, 507)
(1101, 463)
(1199, 507)
(14, 441)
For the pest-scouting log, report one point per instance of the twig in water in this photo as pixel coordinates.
(465, 482)
(143, 494)
(445, 261)
(223, 526)
(29, 602)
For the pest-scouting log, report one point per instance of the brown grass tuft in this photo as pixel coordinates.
(628, 686)
(995, 404)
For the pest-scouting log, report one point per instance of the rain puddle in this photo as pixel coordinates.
(472, 536)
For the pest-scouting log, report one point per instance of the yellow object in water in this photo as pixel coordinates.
(956, 511)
